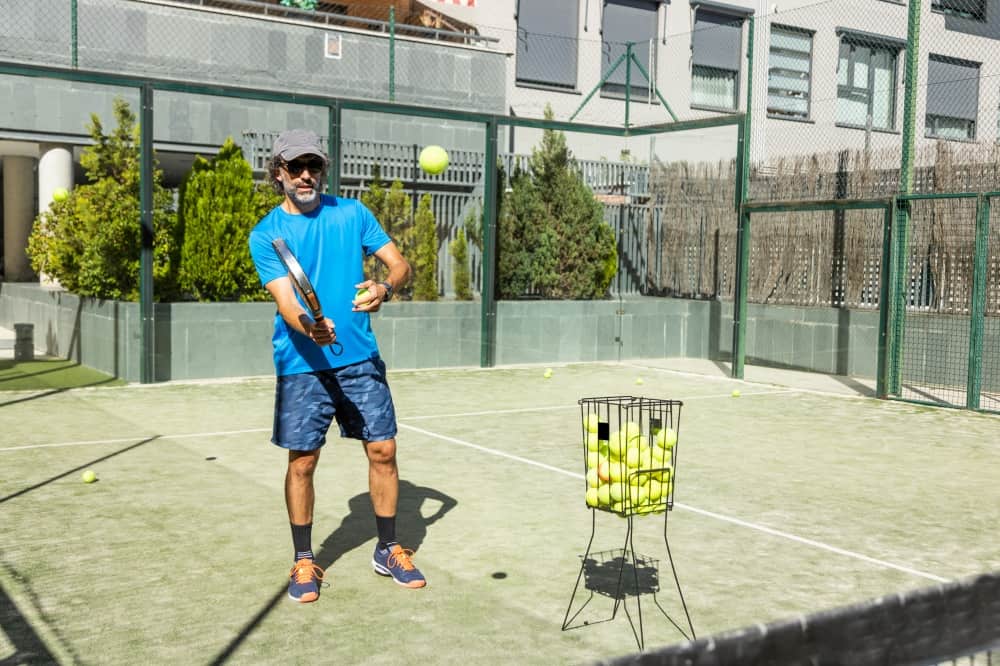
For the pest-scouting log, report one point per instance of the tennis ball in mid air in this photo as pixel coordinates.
(60, 194)
(89, 476)
(433, 159)
(736, 393)
(548, 373)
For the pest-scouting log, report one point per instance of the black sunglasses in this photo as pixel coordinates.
(296, 167)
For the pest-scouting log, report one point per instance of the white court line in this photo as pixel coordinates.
(490, 412)
(134, 439)
(710, 514)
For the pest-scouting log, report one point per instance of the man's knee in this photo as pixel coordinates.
(382, 453)
(302, 464)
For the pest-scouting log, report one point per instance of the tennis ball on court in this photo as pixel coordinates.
(433, 159)
(736, 393)
(60, 194)
(89, 476)
(548, 373)
(638, 380)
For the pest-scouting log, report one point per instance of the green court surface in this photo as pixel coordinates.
(801, 494)
(49, 373)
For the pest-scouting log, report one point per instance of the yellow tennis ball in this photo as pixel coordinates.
(361, 292)
(433, 159)
(548, 373)
(89, 476)
(60, 194)
(736, 393)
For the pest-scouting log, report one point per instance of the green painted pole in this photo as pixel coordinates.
(881, 358)
(607, 76)
(743, 225)
(146, 311)
(333, 149)
(392, 53)
(656, 90)
(977, 311)
(902, 228)
(74, 21)
(628, 80)
(488, 324)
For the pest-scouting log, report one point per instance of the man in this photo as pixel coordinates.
(329, 369)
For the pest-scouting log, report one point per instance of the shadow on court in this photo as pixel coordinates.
(356, 530)
(29, 648)
(78, 468)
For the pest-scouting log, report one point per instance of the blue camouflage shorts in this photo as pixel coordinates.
(357, 396)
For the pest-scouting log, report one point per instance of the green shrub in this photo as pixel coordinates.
(552, 239)
(91, 241)
(425, 255)
(219, 206)
(460, 273)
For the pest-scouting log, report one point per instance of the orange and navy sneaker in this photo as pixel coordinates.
(394, 561)
(304, 582)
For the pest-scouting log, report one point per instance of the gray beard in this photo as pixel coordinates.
(300, 201)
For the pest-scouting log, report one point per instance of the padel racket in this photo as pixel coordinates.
(302, 284)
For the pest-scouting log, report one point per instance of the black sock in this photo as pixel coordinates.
(386, 530)
(302, 541)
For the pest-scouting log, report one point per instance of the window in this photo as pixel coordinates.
(715, 59)
(971, 9)
(547, 43)
(866, 81)
(622, 22)
(789, 67)
(952, 98)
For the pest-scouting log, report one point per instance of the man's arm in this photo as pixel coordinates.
(292, 312)
(399, 275)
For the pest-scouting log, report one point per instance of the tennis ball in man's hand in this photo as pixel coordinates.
(361, 292)
(89, 476)
(433, 159)
(60, 194)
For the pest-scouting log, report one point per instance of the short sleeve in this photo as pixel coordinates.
(373, 236)
(264, 257)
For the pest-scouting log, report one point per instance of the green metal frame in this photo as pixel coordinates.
(817, 205)
(628, 58)
(335, 108)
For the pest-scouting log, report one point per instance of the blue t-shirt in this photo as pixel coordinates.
(330, 243)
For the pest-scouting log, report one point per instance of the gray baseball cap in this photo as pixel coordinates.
(297, 142)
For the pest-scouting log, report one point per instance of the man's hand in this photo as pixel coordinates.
(320, 332)
(371, 301)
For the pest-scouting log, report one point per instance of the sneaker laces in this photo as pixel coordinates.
(401, 556)
(305, 570)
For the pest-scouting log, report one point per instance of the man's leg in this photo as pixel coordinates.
(300, 496)
(390, 558)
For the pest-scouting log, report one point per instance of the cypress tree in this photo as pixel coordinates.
(425, 255)
(219, 206)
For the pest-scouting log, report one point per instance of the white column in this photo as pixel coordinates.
(18, 215)
(55, 170)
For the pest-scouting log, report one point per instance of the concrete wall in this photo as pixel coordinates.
(203, 340)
